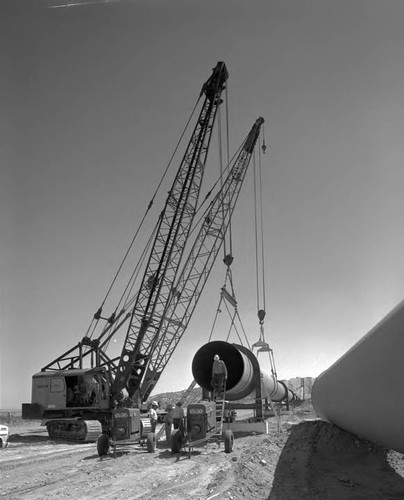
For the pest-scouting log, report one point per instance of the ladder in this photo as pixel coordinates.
(220, 404)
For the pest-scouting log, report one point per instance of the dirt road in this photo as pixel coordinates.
(308, 460)
(34, 467)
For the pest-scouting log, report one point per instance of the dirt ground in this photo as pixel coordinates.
(309, 460)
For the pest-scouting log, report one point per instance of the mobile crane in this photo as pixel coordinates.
(186, 292)
(76, 401)
(83, 403)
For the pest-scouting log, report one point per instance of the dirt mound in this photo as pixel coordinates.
(321, 461)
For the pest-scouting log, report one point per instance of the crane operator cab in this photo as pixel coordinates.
(55, 392)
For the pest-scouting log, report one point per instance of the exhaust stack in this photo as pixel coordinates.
(362, 391)
(244, 373)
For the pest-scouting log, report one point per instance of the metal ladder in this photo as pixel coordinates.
(220, 404)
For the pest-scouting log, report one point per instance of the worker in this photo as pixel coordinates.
(69, 397)
(219, 376)
(168, 423)
(178, 417)
(153, 415)
(77, 394)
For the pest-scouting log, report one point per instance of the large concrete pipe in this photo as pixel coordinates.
(244, 373)
(362, 391)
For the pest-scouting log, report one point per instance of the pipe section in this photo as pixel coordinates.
(362, 391)
(244, 373)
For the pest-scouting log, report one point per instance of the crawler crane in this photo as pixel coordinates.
(85, 403)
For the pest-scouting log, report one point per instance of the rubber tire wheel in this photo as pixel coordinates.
(150, 442)
(176, 441)
(102, 445)
(228, 441)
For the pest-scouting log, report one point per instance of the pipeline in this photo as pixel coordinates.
(362, 391)
(244, 373)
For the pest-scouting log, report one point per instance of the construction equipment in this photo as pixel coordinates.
(87, 404)
(204, 424)
(3, 436)
(193, 278)
(78, 402)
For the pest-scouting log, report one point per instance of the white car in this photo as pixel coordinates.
(3, 436)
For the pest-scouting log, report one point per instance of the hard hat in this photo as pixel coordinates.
(154, 403)
(216, 357)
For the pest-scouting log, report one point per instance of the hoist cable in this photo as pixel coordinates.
(138, 266)
(152, 200)
(230, 276)
(256, 232)
(232, 325)
(259, 234)
(245, 333)
(219, 128)
(130, 299)
(209, 193)
(227, 124)
(218, 311)
(146, 212)
(262, 230)
(228, 161)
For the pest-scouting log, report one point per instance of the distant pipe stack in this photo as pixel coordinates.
(244, 373)
(362, 391)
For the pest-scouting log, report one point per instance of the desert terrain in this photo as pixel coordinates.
(304, 458)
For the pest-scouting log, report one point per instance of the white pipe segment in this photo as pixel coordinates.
(362, 391)
(244, 373)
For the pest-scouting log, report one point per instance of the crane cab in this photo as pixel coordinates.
(54, 394)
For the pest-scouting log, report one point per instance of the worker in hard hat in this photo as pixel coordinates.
(219, 376)
(153, 415)
(178, 417)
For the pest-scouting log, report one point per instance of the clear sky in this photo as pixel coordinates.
(93, 101)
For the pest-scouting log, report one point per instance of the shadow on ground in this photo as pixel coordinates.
(322, 462)
(27, 439)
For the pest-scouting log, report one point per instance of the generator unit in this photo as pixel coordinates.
(201, 420)
(203, 424)
(127, 428)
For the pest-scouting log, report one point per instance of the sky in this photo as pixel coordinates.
(93, 101)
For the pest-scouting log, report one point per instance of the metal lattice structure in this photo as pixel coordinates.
(172, 233)
(160, 311)
(198, 265)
